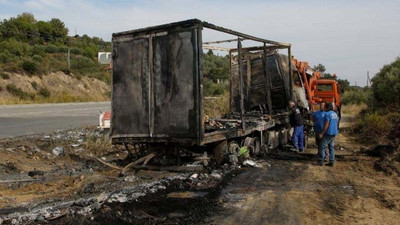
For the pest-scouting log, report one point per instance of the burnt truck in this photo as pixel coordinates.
(157, 91)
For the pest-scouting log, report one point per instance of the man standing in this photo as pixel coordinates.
(318, 118)
(297, 122)
(328, 135)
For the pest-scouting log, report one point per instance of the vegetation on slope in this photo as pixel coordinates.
(380, 122)
(40, 47)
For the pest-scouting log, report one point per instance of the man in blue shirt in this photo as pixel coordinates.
(318, 119)
(328, 135)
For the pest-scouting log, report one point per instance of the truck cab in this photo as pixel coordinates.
(327, 90)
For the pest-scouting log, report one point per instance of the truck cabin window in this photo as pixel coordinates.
(325, 87)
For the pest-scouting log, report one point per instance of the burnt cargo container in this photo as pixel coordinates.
(157, 85)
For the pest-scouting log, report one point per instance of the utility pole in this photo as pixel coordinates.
(367, 78)
(69, 58)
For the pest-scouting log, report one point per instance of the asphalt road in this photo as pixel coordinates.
(18, 120)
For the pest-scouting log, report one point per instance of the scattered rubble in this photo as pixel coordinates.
(251, 163)
(58, 151)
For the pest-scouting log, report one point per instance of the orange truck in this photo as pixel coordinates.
(317, 89)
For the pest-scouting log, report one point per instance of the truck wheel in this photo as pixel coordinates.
(253, 144)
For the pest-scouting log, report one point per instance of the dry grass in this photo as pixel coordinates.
(60, 87)
(353, 109)
(98, 145)
(216, 106)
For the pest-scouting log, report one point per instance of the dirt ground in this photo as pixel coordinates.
(298, 191)
(40, 187)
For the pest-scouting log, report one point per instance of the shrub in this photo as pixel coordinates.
(34, 85)
(14, 90)
(358, 97)
(51, 49)
(11, 67)
(78, 76)
(6, 57)
(29, 66)
(4, 76)
(44, 92)
(37, 58)
(66, 71)
(82, 64)
(386, 85)
(214, 89)
(38, 50)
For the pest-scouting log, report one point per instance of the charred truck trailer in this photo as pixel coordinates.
(157, 96)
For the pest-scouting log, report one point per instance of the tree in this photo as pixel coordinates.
(45, 30)
(386, 85)
(60, 32)
(344, 85)
(319, 68)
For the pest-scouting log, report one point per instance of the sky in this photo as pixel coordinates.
(349, 37)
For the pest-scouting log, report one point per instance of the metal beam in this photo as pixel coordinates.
(216, 48)
(222, 41)
(241, 85)
(290, 74)
(260, 48)
(267, 78)
(242, 35)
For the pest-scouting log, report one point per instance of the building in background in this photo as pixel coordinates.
(104, 57)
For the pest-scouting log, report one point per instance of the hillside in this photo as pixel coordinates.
(34, 63)
(34, 53)
(51, 88)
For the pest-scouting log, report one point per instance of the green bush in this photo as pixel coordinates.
(357, 96)
(44, 92)
(82, 64)
(6, 57)
(214, 89)
(373, 127)
(38, 50)
(37, 58)
(34, 85)
(386, 85)
(66, 71)
(215, 67)
(14, 90)
(4, 76)
(39, 47)
(30, 67)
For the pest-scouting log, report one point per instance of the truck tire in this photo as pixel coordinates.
(253, 144)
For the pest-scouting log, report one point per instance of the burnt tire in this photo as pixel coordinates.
(253, 144)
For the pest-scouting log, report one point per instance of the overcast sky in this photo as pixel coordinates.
(348, 37)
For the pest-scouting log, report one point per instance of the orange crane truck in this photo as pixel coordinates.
(317, 89)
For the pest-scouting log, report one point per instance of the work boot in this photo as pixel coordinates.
(331, 163)
(321, 163)
(301, 150)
